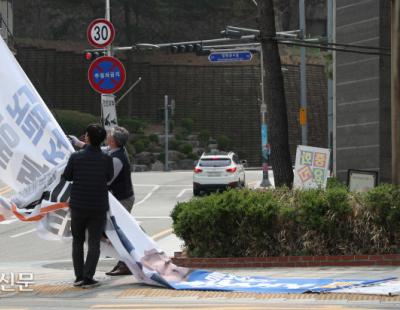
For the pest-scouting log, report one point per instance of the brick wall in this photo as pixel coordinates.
(289, 261)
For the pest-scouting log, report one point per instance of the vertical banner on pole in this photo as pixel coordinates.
(265, 150)
(109, 111)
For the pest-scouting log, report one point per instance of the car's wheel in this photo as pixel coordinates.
(196, 192)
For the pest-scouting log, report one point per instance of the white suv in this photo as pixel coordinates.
(218, 171)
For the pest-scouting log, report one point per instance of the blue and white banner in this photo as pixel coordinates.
(211, 281)
(33, 153)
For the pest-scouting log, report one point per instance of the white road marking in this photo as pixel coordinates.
(162, 234)
(151, 217)
(147, 196)
(166, 185)
(6, 222)
(5, 190)
(183, 192)
(23, 233)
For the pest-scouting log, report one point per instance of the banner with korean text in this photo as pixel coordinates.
(311, 168)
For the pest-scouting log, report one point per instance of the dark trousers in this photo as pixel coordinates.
(93, 223)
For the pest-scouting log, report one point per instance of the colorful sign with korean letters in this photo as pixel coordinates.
(311, 169)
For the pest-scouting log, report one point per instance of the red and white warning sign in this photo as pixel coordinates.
(100, 33)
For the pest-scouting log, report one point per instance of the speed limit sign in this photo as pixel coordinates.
(100, 33)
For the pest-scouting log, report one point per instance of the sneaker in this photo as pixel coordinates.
(89, 283)
(115, 268)
(78, 282)
(122, 270)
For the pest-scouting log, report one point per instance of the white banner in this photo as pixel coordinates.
(312, 167)
(33, 153)
(26, 124)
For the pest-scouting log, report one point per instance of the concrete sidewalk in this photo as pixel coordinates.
(54, 279)
(53, 282)
(53, 285)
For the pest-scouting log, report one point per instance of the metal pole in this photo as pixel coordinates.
(166, 131)
(395, 104)
(334, 89)
(303, 72)
(330, 83)
(264, 127)
(129, 90)
(108, 17)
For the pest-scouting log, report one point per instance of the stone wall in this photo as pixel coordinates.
(220, 98)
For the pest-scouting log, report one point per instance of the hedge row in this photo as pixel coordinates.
(281, 222)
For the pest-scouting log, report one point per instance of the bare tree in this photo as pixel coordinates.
(275, 96)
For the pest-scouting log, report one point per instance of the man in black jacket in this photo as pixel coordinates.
(89, 170)
(121, 184)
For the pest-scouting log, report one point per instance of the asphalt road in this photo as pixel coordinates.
(156, 195)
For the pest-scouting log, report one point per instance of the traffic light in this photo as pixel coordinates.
(92, 55)
(186, 48)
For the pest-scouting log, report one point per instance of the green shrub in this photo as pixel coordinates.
(161, 157)
(174, 144)
(133, 125)
(384, 204)
(285, 222)
(193, 156)
(153, 138)
(186, 148)
(204, 135)
(187, 123)
(74, 122)
(333, 182)
(139, 146)
(224, 143)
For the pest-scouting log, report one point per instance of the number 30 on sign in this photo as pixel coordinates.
(100, 33)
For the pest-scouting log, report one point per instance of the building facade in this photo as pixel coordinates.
(363, 126)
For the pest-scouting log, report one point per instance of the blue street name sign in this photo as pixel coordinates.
(230, 56)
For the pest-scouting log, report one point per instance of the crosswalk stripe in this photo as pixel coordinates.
(10, 221)
(23, 233)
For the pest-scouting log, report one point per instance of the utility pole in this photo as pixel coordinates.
(330, 82)
(334, 113)
(303, 75)
(166, 168)
(108, 17)
(395, 92)
(108, 100)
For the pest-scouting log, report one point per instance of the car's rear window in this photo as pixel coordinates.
(215, 162)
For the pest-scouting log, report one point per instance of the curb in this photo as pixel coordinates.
(288, 261)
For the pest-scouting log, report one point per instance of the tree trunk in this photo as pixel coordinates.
(275, 97)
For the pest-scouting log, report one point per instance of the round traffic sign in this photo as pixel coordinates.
(106, 75)
(100, 33)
